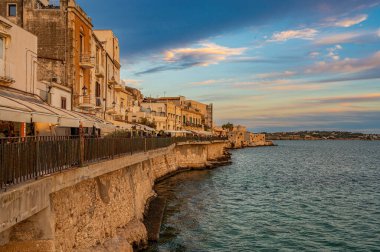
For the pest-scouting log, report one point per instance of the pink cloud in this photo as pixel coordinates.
(275, 75)
(348, 22)
(307, 34)
(207, 54)
(349, 37)
(347, 65)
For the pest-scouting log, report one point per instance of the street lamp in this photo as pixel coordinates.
(84, 90)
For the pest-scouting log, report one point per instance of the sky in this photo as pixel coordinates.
(271, 65)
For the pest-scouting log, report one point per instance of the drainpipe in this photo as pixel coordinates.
(106, 87)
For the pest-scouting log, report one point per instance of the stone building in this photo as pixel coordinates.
(237, 137)
(166, 115)
(98, 76)
(18, 50)
(206, 111)
(65, 61)
(113, 91)
(18, 57)
(22, 111)
(195, 116)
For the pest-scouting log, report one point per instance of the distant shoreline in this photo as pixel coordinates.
(340, 139)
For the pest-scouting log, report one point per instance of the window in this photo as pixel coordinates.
(2, 48)
(97, 56)
(12, 9)
(97, 89)
(81, 44)
(63, 103)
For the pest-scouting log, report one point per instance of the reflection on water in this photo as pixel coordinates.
(321, 195)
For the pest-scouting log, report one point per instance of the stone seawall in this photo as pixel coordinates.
(95, 208)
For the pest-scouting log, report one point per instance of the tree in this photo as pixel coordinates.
(146, 122)
(228, 126)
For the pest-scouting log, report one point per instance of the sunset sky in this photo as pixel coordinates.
(268, 64)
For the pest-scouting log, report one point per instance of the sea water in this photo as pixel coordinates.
(298, 196)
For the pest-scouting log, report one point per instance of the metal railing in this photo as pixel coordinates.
(87, 59)
(23, 159)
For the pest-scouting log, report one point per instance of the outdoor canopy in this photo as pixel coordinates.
(17, 106)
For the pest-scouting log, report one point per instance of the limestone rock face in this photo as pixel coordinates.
(135, 233)
(29, 246)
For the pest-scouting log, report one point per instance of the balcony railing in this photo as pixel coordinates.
(119, 118)
(86, 60)
(118, 87)
(87, 102)
(6, 73)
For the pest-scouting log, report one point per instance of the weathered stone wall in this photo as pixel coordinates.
(96, 208)
(50, 26)
(215, 151)
(104, 212)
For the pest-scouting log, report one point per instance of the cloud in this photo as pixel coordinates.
(205, 55)
(349, 37)
(333, 52)
(369, 75)
(348, 22)
(347, 99)
(146, 26)
(276, 75)
(210, 82)
(260, 83)
(307, 34)
(314, 54)
(347, 66)
(131, 82)
(294, 87)
(357, 121)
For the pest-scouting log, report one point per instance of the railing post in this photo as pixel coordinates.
(145, 144)
(81, 145)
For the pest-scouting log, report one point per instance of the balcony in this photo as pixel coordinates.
(85, 103)
(118, 87)
(99, 71)
(86, 61)
(6, 74)
(119, 118)
(112, 81)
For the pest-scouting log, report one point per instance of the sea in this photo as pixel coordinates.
(297, 196)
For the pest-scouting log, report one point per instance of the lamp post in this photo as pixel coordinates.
(84, 90)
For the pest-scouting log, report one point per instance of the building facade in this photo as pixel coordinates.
(18, 57)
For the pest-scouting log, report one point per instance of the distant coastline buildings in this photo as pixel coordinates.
(58, 73)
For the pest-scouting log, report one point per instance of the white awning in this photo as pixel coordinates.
(122, 125)
(14, 115)
(144, 127)
(45, 118)
(68, 122)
